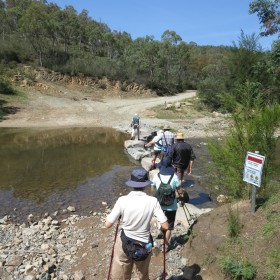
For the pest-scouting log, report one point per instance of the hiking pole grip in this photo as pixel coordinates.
(113, 249)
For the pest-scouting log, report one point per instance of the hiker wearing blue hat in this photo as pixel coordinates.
(133, 243)
(166, 183)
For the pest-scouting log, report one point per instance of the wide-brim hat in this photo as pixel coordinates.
(167, 170)
(138, 179)
(165, 167)
(180, 136)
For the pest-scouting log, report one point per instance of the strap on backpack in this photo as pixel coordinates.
(168, 180)
(164, 139)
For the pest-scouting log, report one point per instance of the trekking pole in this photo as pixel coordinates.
(192, 216)
(186, 215)
(187, 210)
(164, 255)
(183, 204)
(112, 255)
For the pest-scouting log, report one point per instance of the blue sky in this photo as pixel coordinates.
(205, 22)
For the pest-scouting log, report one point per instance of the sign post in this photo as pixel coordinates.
(252, 173)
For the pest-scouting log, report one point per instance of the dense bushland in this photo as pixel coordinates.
(42, 34)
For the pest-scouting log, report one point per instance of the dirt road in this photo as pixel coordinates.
(48, 111)
(76, 109)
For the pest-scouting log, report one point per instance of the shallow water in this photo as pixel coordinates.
(43, 170)
(48, 170)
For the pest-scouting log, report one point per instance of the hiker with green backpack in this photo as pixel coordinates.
(135, 127)
(165, 184)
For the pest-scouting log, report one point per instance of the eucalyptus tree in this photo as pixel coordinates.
(267, 71)
(95, 32)
(122, 40)
(182, 66)
(142, 58)
(108, 42)
(68, 26)
(268, 74)
(268, 13)
(36, 25)
(94, 35)
(169, 39)
(133, 60)
(244, 56)
(83, 21)
(3, 19)
(151, 49)
(15, 10)
(53, 10)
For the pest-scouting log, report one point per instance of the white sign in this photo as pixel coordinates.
(253, 168)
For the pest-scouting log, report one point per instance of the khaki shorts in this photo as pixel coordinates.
(123, 266)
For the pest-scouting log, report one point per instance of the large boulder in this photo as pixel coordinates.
(134, 144)
(146, 162)
(135, 148)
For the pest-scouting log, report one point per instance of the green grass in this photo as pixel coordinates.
(188, 109)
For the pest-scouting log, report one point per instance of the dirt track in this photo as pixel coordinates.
(50, 111)
(47, 110)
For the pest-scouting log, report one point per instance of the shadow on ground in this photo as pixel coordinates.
(189, 273)
(6, 110)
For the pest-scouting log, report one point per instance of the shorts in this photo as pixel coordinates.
(170, 215)
(180, 172)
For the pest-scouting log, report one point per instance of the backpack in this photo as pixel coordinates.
(135, 120)
(165, 193)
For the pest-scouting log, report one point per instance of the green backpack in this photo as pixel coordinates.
(165, 193)
(135, 119)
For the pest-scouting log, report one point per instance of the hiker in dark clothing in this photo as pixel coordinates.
(182, 156)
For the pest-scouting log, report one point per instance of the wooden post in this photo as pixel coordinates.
(253, 198)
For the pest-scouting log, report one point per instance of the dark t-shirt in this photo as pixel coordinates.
(181, 154)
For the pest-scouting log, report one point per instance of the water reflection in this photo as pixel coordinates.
(38, 163)
(48, 170)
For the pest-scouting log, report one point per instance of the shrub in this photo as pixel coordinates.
(6, 88)
(234, 223)
(238, 270)
(253, 130)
